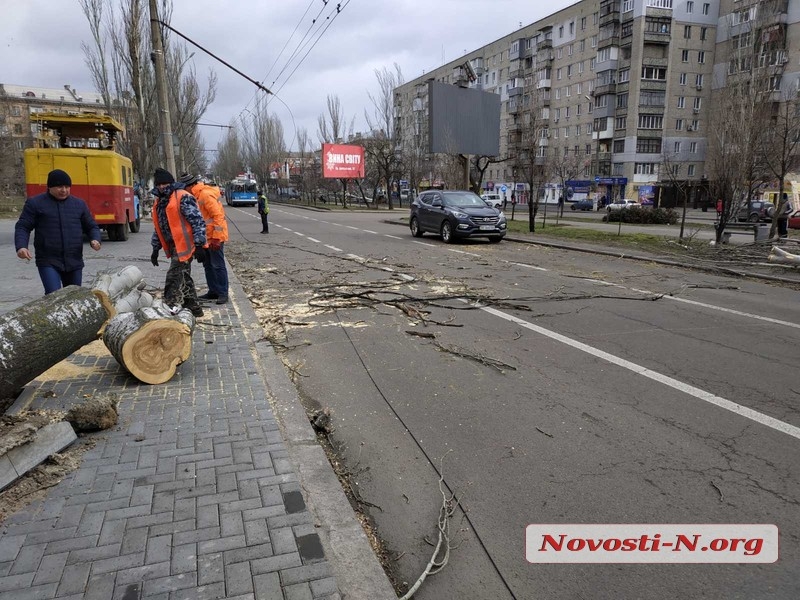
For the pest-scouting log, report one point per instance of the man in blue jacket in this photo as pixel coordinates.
(60, 220)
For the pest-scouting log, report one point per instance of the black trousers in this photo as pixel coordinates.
(179, 287)
(264, 222)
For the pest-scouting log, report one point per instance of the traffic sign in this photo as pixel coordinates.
(503, 188)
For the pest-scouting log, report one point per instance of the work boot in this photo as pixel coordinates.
(222, 300)
(209, 296)
(197, 311)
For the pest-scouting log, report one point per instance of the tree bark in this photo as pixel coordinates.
(111, 286)
(42, 333)
(151, 342)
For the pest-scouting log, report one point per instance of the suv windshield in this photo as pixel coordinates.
(462, 200)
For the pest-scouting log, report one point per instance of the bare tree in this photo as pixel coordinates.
(229, 161)
(265, 145)
(381, 147)
(670, 171)
(333, 129)
(781, 149)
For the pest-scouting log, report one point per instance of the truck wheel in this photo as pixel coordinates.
(112, 233)
(120, 231)
(135, 224)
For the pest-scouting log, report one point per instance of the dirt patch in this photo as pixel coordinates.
(34, 484)
(16, 430)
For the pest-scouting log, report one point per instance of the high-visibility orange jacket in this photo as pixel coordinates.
(212, 211)
(179, 228)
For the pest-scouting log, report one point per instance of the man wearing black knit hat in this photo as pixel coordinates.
(181, 231)
(60, 221)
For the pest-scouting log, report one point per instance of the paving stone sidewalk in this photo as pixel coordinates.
(192, 496)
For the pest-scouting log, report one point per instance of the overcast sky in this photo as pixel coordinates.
(41, 47)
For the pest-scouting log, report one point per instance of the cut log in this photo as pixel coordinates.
(151, 342)
(779, 255)
(42, 333)
(134, 300)
(112, 285)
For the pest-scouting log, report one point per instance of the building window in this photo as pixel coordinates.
(697, 103)
(682, 79)
(591, 63)
(696, 125)
(706, 6)
(644, 168)
(703, 33)
(620, 122)
(684, 56)
(679, 125)
(681, 101)
(588, 149)
(593, 40)
(15, 111)
(595, 18)
(627, 29)
(648, 146)
(566, 132)
(627, 5)
(560, 53)
(651, 121)
(578, 109)
(569, 70)
(561, 32)
(676, 147)
(572, 27)
(652, 98)
(580, 67)
(624, 75)
(693, 147)
(558, 73)
(657, 25)
(690, 7)
(581, 45)
(622, 100)
(654, 73)
(701, 57)
(583, 23)
(690, 171)
(619, 146)
(698, 80)
(687, 32)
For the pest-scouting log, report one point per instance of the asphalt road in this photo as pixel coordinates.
(574, 391)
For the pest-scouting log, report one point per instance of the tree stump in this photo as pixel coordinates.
(151, 342)
(42, 333)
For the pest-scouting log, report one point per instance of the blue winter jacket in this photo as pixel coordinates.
(59, 225)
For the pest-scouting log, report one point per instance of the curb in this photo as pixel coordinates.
(355, 567)
(652, 259)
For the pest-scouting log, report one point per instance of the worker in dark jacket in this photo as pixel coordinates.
(263, 210)
(60, 220)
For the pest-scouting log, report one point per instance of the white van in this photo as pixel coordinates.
(493, 199)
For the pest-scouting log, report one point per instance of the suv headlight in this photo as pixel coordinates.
(460, 215)
(502, 218)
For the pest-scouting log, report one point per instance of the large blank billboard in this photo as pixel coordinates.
(463, 121)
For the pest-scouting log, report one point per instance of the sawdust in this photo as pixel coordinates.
(68, 370)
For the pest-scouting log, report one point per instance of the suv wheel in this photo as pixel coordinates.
(447, 232)
(415, 230)
(753, 218)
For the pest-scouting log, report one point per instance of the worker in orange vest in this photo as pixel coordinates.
(181, 232)
(216, 233)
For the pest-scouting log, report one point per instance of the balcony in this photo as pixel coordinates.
(612, 40)
(514, 107)
(653, 85)
(544, 55)
(518, 73)
(515, 91)
(660, 37)
(544, 84)
(610, 17)
(514, 138)
(650, 133)
(609, 88)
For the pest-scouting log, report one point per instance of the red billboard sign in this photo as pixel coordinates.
(342, 162)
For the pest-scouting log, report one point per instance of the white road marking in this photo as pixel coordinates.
(529, 266)
(394, 237)
(723, 309)
(464, 252)
(424, 244)
(738, 409)
(334, 248)
(314, 240)
(369, 231)
(300, 234)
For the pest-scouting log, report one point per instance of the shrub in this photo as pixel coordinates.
(642, 215)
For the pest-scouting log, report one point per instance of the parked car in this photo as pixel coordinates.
(620, 204)
(584, 204)
(455, 214)
(492, 199)
(757, 211)
(794, 220)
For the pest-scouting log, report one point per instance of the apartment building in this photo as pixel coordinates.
(17, 103)
(625, 88)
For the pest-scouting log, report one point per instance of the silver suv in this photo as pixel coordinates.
(757, 211)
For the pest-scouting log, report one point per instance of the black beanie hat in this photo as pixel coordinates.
(58, 177)
(162, 176)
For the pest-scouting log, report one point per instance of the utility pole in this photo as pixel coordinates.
(161, 88)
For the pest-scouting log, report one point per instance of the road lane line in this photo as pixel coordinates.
(314, 240)
(300, 234)
(334, 248)
(464, 252)
(738, 409)
(369, 231)
(394, 237)
(723, 309)
(424, 244)
(529, 266)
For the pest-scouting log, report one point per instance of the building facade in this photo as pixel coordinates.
(17, 132)
(623, 89)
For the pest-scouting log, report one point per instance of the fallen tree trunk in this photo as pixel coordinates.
(779, 255)
(42, 333)
(151, 342)
(117, 284)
